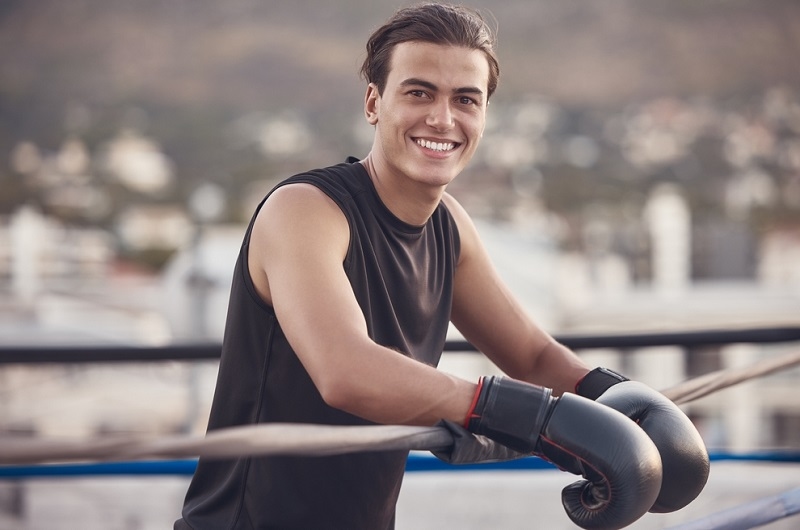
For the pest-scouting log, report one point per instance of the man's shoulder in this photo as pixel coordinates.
(347, 168)
(343, 179)
(338, 183)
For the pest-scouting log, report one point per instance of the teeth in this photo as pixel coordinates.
(436, 146)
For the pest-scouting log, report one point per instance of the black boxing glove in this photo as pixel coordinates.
(684, 455)
(620, 464)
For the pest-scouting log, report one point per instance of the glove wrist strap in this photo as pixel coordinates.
(510, 412)
(596, 382)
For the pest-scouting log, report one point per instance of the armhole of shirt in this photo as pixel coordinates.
(245, 248)
(244, 260)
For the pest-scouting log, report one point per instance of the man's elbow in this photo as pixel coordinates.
(339, 392)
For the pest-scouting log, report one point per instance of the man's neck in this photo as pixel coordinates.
(409, 201)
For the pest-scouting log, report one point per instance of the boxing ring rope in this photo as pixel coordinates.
(246, 440)
(296, 439)
(707, 384)
(206, 351)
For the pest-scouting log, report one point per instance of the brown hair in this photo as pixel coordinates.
(434, 23)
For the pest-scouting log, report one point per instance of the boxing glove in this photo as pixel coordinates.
(683, 453)
(620, 465)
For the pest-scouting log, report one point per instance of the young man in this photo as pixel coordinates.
(346, 283)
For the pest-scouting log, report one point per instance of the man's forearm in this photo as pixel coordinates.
(557, 367)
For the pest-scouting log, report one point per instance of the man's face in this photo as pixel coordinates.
(432, 112)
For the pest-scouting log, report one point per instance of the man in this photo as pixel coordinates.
(344, 289)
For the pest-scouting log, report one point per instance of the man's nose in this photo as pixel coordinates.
(440, 116)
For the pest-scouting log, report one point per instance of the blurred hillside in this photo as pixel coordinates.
(619, 95)
(248, 55)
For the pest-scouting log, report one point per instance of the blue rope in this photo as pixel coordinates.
(417, 462)
(145, 467)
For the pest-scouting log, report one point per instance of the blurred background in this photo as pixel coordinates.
(640, 171)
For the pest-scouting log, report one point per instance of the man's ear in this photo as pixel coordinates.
(371, 104)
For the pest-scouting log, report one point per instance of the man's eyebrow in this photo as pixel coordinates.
(413, 81)
(469, 90)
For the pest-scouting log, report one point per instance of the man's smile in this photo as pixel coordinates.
(436, 146)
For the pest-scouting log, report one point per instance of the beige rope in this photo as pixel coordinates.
(304, 439)
(262, 439)
(706, 384)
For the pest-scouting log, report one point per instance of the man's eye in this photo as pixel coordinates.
(467, 101)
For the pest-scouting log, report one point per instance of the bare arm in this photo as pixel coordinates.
(297, 249)
(488, 315)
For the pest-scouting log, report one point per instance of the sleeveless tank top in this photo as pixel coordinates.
(402, 276)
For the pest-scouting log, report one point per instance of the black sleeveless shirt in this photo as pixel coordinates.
(402, 276)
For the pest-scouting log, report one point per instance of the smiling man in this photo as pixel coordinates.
(346, 283)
